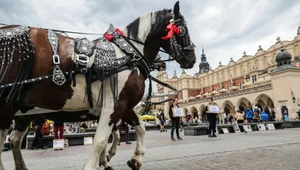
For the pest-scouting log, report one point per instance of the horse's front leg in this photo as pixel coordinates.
(15, 140)
(104, 159)
(101, 138)
(3, 133)
(136, 161)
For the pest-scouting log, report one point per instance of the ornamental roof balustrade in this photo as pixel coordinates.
(199, 96)
(191, 98)
(223, 90)
(214, 92)
(232, 94)
(234, 88)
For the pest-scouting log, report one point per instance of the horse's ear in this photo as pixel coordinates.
(176, 9)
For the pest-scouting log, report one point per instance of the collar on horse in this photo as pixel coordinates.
(117, 37)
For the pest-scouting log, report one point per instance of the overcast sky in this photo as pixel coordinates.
(225, 28)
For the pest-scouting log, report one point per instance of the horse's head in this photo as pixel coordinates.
(165, 29)
(177, 40)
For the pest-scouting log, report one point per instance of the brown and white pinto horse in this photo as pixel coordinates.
(30, 56)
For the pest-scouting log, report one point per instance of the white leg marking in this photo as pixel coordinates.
(113, 149)
(101, 137)
(102, 160)
(15, 139)
(140, 143)
(2, 138)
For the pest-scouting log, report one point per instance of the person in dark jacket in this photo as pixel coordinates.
(162, 120)
(37, 125)
(58, 125)
(212, 118)
(175, 120)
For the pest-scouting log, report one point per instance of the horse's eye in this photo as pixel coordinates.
(182, 31)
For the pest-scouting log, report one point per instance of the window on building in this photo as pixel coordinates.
(254, 79)
(241, 85)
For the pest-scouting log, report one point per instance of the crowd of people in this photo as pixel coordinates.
(249, 115)
(41, 127)
(242, 115)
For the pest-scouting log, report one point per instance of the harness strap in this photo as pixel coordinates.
(58, 76)
(163, 83)
(89, 78)
(143, 64)
(117, 36)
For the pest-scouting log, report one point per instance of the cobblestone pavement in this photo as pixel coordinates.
(276, 150)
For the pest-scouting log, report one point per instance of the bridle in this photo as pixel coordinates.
(175, 32)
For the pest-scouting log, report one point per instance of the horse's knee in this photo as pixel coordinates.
(14, 141)
(140, 130)
(116, 136)
(100, 144)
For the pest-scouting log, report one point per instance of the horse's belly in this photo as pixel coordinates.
(35, 111)
(79, 100)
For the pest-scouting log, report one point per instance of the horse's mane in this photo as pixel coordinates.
(150, 23)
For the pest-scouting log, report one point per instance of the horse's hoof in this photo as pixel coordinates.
(21, 169)
(133, 164)
(109, 168)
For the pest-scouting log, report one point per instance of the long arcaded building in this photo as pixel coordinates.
(269, 78)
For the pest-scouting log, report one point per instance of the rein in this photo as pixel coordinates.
(64, 31)
(148, 101)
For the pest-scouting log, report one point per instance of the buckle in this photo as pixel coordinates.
(82, 59)
(56, 59)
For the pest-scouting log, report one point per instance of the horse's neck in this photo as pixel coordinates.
(150, 57)
(139, 46)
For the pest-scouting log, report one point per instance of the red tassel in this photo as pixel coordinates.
(171, 28)
(109, 37)
(120, 32)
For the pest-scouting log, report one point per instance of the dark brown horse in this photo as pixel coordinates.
(109, 78)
